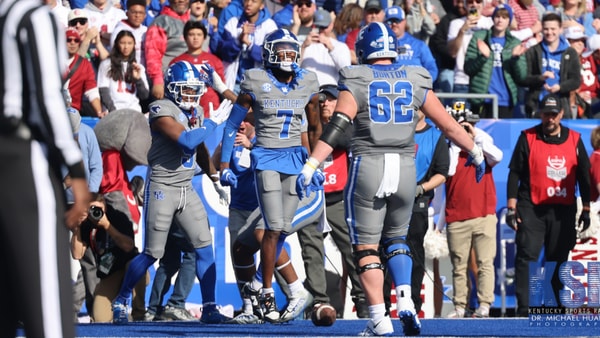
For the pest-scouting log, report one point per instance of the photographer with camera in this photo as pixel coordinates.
(471, 216)
(109, 234)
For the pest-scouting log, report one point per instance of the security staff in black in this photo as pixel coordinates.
(35, 141)
(548, 165)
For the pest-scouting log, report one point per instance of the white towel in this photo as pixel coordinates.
(391, 176)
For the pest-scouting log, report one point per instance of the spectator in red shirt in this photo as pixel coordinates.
(80, 80)
(586, 96)
(194, 33)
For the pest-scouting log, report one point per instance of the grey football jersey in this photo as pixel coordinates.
(279, 109)
(169, 162)
(388, 97)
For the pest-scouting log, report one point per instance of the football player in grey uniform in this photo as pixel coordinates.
(177, 130)
(246, 229)
(281, 96)
(381, 99)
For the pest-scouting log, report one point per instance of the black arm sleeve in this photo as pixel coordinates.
(519, 167)
(441, 158)
(512, 184)
(106, 99)
(142, 90)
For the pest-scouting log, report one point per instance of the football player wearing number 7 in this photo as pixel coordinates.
(281, 96)
(381, 98)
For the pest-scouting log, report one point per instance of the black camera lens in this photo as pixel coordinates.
(95, 213)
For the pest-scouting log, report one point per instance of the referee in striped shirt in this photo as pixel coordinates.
(35, 141)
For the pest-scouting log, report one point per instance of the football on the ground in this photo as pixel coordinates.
(323, 314)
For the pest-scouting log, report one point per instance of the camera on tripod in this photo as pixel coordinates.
(95, 213)
(461, 113)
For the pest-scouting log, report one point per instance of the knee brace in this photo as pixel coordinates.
(358, 255)
(395, 246)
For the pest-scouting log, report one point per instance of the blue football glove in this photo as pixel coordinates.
(305, 178)
(316, 183)
(479, 171)
(228, 178)
(300, 186)
(206, 68)
(476, 157)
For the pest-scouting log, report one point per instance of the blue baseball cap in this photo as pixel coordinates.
(394, 12)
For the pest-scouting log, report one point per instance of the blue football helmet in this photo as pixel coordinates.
(376, 41)
(185, 84)
(280, 49)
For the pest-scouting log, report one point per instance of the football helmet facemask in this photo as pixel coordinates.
(280, 50)
(185, 84)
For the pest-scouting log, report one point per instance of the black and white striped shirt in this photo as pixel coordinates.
(32, 59)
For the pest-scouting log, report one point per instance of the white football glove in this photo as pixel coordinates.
(223, 194)
(222, 113)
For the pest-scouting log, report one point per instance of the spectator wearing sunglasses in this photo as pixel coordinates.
(91, 46)
(303, 19)
(199, 11)
(80, 81)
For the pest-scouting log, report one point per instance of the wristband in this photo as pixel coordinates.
(477, 154)
(312, 163)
